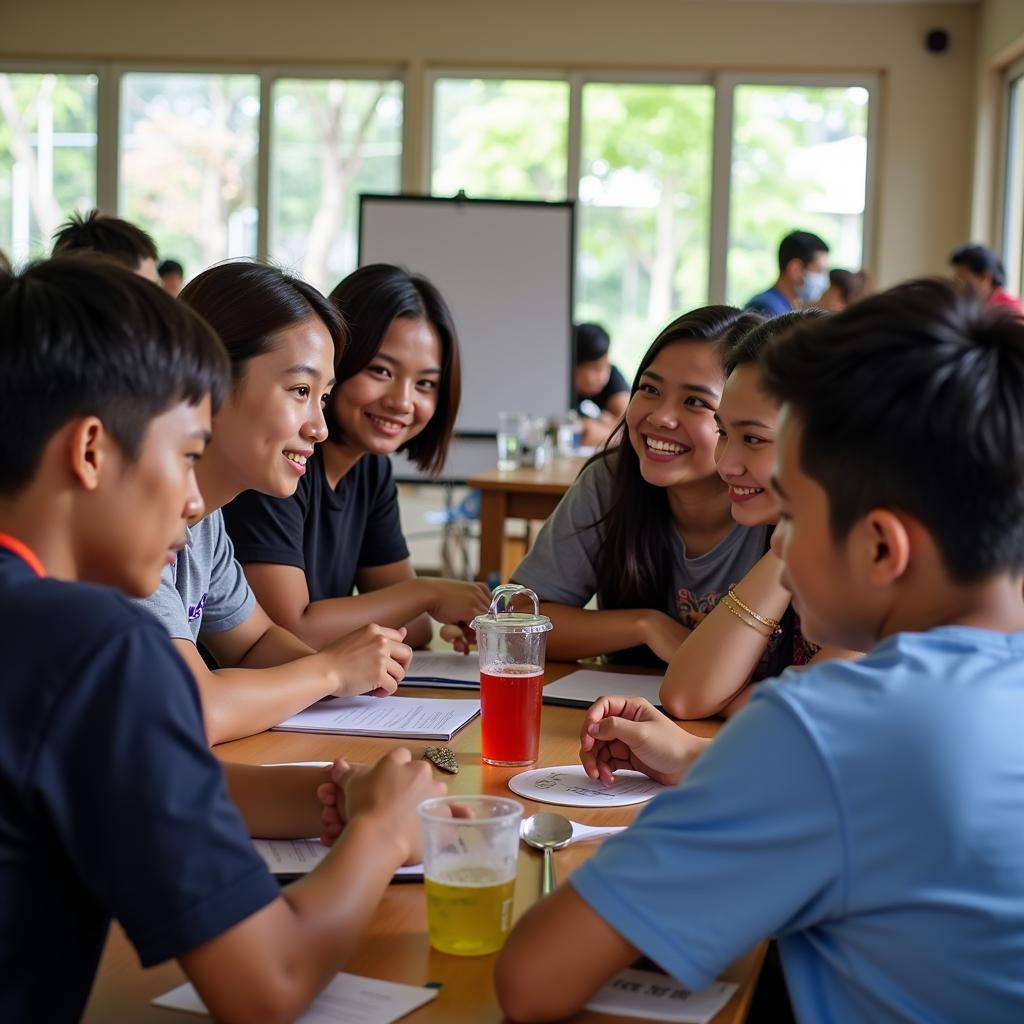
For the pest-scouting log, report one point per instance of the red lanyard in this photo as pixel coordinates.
(24, 552)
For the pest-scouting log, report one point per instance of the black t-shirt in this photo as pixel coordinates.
(111, 804)
(328, 533)
(615, 386)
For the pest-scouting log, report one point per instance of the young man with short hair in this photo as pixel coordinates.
(111, 236)
(869, 814)
(803, 275)
(172, 276)
(111, 803)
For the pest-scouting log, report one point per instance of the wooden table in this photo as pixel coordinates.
(517, 494)
(395, 948)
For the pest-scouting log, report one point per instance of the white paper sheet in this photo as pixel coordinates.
(582, 687)
(300, 856)
(652, 996)
(347, 999)
(570, 786)
(445, 669)
(420, 718)
(297, 764)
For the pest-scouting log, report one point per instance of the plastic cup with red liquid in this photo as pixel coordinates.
(511, 645)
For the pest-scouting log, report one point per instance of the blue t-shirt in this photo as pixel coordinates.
(871, 815)
(770, 303)
(111, 804)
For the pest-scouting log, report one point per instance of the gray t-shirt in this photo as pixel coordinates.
(561, 565)
(206, 589)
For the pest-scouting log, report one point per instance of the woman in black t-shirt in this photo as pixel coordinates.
(398, 389)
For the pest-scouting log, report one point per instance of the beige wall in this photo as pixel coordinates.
(1000, 43)
(926, 116)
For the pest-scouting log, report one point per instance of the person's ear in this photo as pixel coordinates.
(885, 543)
(88, 442)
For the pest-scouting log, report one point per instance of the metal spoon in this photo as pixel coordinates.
(546, 831)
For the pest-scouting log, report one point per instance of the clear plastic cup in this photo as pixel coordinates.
(512, 427)
(469, 870)
(511, 646)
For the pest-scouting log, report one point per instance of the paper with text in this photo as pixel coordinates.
(653, 996)
(419, 718)
(300, 856)
(347, 999)
(570, 786)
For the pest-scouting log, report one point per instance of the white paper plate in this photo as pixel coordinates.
(569, 786)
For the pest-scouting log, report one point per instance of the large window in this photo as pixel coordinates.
(47, 157)
(500, 138)
(331, 141)
(684, 184)
(644, 193)
(639, 159)
(188, 149)
(799, 161)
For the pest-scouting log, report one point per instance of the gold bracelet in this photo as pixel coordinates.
(727, 603)
(772, 624)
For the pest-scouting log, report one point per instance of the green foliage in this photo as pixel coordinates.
(72, 102)
(778, 131)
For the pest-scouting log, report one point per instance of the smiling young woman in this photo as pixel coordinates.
(398, 391)
(646, 527)
(753, 632)
(281, 336)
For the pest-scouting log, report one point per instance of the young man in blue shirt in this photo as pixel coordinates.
(803, 275)
(869, 814)
(111, 804)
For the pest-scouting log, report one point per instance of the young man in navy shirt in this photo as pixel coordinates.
(111, 804)
(869, 814)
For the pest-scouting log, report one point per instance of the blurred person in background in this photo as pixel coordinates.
(981, 268)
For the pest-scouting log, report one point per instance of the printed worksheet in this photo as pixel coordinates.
(417, 718)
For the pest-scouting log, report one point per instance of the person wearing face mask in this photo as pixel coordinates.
(803, 276)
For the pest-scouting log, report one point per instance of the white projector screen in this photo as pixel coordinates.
(506, 268)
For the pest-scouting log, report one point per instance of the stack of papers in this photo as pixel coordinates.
(414, 718)
(347, 999)
(583, 687)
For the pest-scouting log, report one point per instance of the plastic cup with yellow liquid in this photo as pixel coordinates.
(470, 852)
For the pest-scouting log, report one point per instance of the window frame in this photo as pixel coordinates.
(1010, 218)
(66, 67)
(418, 84)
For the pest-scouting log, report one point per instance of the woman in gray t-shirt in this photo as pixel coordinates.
(647, 527)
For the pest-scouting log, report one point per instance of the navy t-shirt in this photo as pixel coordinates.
(329, 533)
(111, 804)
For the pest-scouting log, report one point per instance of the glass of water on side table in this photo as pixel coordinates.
(511, 434)
(470, 853)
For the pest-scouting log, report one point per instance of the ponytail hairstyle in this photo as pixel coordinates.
(634, 560)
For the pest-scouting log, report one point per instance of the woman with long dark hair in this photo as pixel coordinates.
(753, 633)
(398, 389)
(647, 527)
